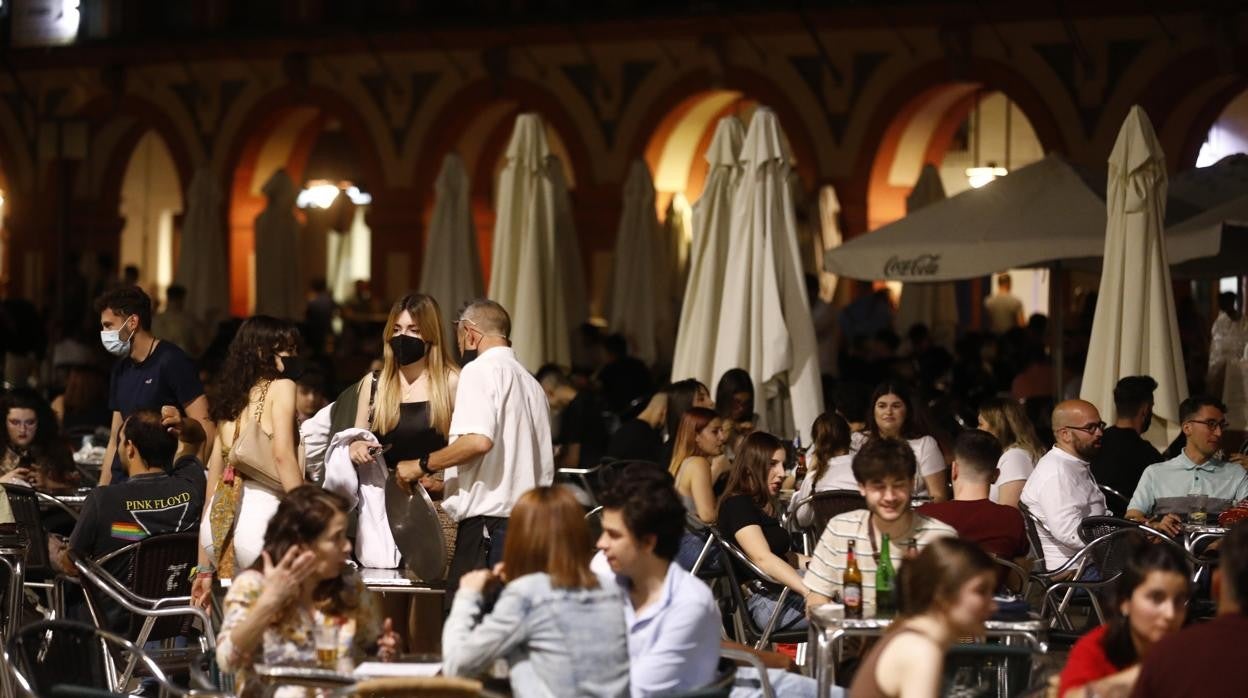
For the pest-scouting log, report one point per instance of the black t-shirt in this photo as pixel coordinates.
(623, 381)
(739, 511)
(166, 377)
(581, 423)
(115, 516)
(636, 440)
(1124, 456)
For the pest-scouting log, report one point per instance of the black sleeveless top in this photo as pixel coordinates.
(414, 435)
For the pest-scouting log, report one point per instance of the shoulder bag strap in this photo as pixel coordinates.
(372, 396)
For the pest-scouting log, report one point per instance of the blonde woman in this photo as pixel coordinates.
(1004, 418)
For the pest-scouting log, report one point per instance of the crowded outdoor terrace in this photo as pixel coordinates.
(706, 349)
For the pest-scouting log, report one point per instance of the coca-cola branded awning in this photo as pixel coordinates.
(1043, 213)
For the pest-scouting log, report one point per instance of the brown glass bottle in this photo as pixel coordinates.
(851, 585)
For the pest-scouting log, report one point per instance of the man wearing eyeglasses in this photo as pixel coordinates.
(1196, 480)
(1061, 492)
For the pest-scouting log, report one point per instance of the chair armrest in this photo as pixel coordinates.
(750, 660)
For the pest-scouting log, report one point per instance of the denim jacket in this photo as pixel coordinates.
(557, 642)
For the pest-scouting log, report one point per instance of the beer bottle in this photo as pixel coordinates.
(884, 576)
(851, 584)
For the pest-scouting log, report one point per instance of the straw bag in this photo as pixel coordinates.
(252, 452)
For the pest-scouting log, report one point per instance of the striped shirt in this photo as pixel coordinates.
(827, 566)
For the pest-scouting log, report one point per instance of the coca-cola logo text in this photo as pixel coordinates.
(923, 265)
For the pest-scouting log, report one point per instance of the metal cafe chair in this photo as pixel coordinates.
(155, 592)
(66, 658)
(825, 506)
(746, 629)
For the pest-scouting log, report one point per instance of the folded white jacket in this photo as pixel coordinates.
(364, 487)
(314, 437)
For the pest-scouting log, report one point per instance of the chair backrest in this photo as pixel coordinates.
(831, 503)
(158, 567)
(1112, 556)
(1032, 526)
(25, 505)
(1115, 500)
(51, 653)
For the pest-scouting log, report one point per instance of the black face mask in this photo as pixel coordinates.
(293, 367)
(407, 349)
(467, 355)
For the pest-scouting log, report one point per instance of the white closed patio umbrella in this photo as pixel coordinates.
(567, 250)
(1135, 330)
(934, 304)
(708, 254)
(636, 302)
(764, 322)
(279, 281)
(451, 269)
(202, 268)
(524, 274)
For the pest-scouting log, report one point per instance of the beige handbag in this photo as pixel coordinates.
(252, 452)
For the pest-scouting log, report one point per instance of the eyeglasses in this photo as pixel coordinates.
(1089, 428)
(1211, 424)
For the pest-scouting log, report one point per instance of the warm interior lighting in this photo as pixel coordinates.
(979, 176)
(322, 194)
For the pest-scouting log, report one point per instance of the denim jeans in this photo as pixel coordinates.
(792, 615)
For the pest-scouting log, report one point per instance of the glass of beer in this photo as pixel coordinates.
(327, 645)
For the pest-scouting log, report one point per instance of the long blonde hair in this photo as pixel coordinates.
(1010, 423)
(439, 366)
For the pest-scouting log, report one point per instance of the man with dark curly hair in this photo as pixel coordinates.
(150, 373)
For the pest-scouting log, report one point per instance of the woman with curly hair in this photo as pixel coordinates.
(300, 597)
(255, 384)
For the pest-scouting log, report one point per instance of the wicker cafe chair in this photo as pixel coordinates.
(424, 686)
(824, 506)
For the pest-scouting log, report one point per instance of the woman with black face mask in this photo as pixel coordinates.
(408, 404)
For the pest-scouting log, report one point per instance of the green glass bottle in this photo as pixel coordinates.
(885, 575)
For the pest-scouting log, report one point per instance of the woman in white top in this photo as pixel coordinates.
(699, 439)
(831, 464)
(892, 415)
(1004, 418)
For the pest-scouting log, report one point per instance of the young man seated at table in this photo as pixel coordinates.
(1194, 479)
(996, 528)
(885, 470)
(165, 492)
(674, 632)
(1201, 659)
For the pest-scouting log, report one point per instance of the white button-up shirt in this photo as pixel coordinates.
(1061, 492)
(499, 399)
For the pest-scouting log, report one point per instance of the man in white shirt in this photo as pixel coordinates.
(1061, 492)
(500, 440)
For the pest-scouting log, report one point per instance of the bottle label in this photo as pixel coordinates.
(852, 596)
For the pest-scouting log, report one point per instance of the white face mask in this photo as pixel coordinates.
(114, 344)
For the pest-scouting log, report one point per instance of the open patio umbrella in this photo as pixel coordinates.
(934, 304)
(1135, 330)
(451, 269)
(524, 272)
(764, 322)
(708, 254)
(1042, 213)
(201, 263)
(279, 281)
(637, 299)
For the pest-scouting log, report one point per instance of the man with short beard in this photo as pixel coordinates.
(1061, 492)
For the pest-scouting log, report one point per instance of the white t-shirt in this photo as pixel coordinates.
(926, 452)
(1015, 464)
(498, 398)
